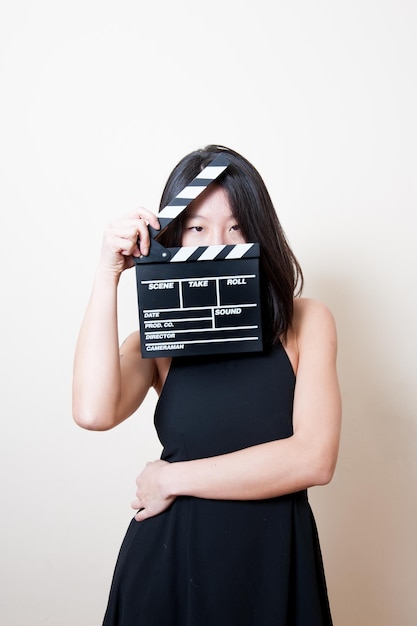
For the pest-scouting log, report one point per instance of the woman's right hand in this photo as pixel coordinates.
(125, 238)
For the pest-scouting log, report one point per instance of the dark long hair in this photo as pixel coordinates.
(253, 209)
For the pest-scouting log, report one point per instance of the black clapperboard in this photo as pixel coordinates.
(198, 300)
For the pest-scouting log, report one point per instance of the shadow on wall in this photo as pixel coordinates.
(367, 516)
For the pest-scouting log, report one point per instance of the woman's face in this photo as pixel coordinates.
(209, 220)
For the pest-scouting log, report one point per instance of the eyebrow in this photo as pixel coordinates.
(193, 215)
(202, 217)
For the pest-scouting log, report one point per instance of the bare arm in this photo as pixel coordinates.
(107, 388)
(276, 468)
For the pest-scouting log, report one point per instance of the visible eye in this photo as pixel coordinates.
(235, 227)
(197, 229)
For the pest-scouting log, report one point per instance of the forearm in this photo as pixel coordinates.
(96, 382)
(263, 471)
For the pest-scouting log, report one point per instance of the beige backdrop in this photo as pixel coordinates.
(99, 101)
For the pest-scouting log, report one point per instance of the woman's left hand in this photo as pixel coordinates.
(152, 497)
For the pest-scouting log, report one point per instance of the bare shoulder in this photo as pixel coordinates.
(133, 366)
(309, 312)
(313, 323)
(154, 370)
(131, 345)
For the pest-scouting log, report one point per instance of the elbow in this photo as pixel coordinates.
(322, 469)
(94, 413)
(320, 458)
(91, 420)
(324, 475)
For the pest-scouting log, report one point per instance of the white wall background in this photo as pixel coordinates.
(99, 101)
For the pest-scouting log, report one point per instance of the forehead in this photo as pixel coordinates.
(213, 200)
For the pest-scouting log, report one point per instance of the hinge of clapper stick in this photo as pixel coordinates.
(190, 307)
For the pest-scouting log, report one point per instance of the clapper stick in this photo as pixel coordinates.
(198, 300)
(199, 184)
(193, 189)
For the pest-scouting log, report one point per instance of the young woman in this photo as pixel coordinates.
(223, 534)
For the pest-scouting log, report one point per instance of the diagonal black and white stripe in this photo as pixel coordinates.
(214, 253)
(193, 189)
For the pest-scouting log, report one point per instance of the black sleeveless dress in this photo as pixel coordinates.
(222, 563)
